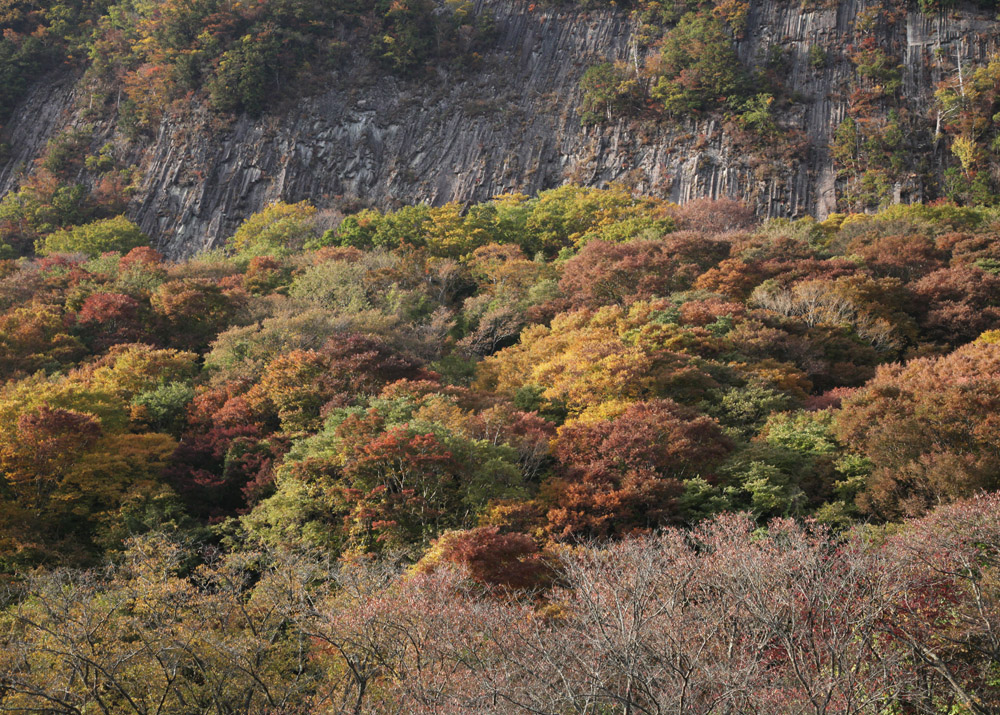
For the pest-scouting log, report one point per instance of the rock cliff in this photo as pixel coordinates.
(510, 124)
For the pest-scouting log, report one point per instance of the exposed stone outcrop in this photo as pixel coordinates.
(509, 124)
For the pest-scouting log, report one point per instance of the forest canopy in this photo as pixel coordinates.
(583, 363)
(260, 468)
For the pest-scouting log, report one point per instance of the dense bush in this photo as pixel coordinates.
(117, 235)
(699, 68)
(672, 622)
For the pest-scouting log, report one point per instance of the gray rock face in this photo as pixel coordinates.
(510, 124)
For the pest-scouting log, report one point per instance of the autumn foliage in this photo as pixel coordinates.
(426, 460)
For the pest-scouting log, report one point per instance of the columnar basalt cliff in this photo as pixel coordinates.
(511, 123)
